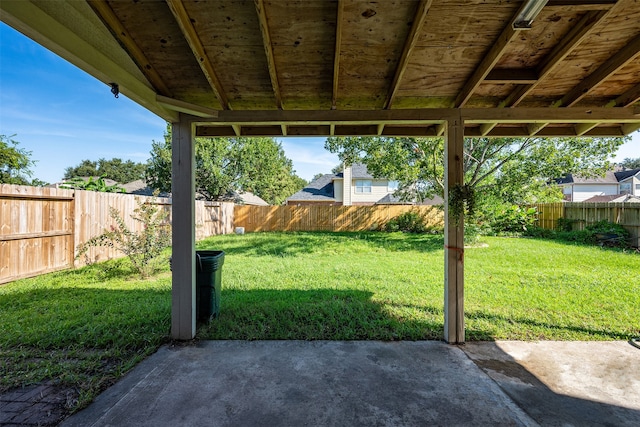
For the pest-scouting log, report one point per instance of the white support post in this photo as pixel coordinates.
(183, 287)
(453, 235)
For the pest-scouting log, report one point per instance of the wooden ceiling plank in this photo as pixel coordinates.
(409, 45)
(182, 18)
(268, 49)
(583, 4)
(628, 98)
(336, 57)
(108, 16)
(621, 58)
(575, 36)
(489, 61)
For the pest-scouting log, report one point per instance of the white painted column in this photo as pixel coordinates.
(347, 185)
(183, 278)
(453, 235)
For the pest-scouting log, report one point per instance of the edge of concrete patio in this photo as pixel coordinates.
(357, 383)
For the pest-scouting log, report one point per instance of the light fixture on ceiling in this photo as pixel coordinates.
(528, 13)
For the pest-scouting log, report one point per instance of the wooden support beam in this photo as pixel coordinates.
(336, 57)
(106, 14)
(486, 128)
(512, 76)
(441, 128)
(268, 49)
(190, 34)
(621, 58)
(488, 62)
(576, 35)
(534, 128)
(582, 128)
(454, 235)
(183, 277)
(380, 129)
(630, 128)
(186, 107)
(409, 45)
(628, 98)
(237, 130)
(284, 130)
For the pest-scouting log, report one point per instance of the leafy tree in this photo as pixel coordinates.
(513, 170)
(91, 184)
(631, 163)
(316, 176)
(228, 165)
(115, 169)
(15, 162)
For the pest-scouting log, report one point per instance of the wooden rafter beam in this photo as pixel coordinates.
(575, 36)
(512, 76)
(190, 34)
(409, 45)
(628, 98)
(488, 62)
(621, 58)
(604, 71)
(336, 57)
(108, 16)
(268, 49)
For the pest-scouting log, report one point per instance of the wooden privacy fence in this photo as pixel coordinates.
(326, 218)
(41, 228)
(584, 214)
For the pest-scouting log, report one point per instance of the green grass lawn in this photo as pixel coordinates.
(90, 325)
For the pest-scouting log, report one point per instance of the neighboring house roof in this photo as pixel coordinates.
(140, 188)
(614, 198)
(626, 174)
(358, 171)
(320, 189)
(611, 177)
(248, 198)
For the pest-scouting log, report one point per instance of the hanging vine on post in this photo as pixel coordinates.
(462, 201)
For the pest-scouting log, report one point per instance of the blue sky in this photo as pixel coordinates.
(63, 115)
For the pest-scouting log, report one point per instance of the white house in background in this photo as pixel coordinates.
(615, 185)
(354, 186)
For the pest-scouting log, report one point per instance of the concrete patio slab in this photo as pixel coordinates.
(566, 383)
(364, 383)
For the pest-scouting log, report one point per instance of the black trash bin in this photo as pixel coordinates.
(208, 284)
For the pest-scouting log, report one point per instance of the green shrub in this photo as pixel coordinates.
(140, 247)
(407, 222)
(513, 219)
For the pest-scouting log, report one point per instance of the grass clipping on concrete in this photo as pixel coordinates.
(87, 327)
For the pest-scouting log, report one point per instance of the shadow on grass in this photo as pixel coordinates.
(524, 324)
(317, 314)
(325, 314)
(296, 243)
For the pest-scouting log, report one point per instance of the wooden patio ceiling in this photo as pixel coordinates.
(357, 67)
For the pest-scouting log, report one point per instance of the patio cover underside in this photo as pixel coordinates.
(351, 67)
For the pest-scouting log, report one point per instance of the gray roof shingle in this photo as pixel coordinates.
(319, 189)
